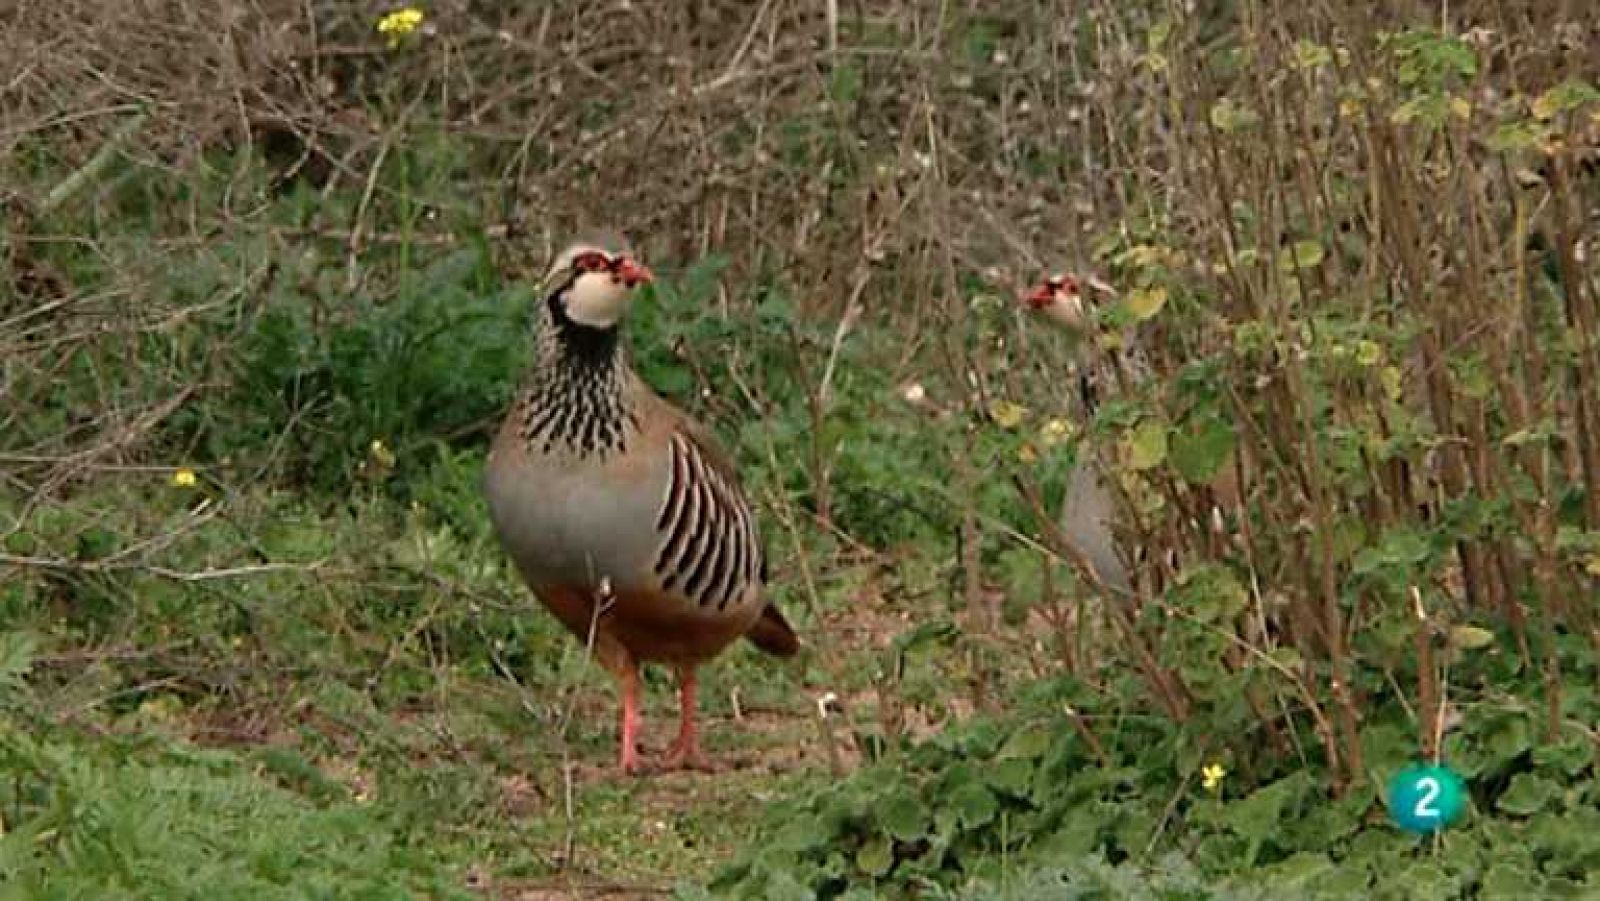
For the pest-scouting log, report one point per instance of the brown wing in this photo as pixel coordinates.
(697, 458)
(710, 552)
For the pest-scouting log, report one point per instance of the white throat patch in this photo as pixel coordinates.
(597, 299)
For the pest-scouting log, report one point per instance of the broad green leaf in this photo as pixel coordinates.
(1527, 795)
(1145, 303)
(1199, 450)
(1569, 757)
(1228, 115)
(1147, 446)
(1286, 657)
(1565, 97)
(973, 804)
(904, 816)
(1210, 592)
(1300, 255)
(1027, 743)
(17, 650)
(875, 856)
(1509, 738)
(1310, 54)
(1011, 776)
(1470, 638)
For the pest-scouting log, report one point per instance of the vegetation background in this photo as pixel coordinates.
(264, 292)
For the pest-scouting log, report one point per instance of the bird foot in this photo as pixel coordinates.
(687, 756)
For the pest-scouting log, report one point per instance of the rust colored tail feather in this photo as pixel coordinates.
(773, 634)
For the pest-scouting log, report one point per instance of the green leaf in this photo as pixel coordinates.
(1011, 776)
(1228, 115)
(1200, 450)
(1027, 743)
(17, 651)
(1300, 255)
(1286, 657)
(904, 816)
(1470, 638)
(1210, 592)
(1144, 303)
(1508, 739)
(1569, 758)
(973, 804)
(875, 856)
(1258, 817)
(1310, 54)
(1147, 446)
(1564, 97)
(1527, 795)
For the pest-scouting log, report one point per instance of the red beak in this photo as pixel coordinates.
(1040, 297)
(632, 273)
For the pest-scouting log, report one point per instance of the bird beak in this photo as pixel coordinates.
(633, 273)
(1040, 297)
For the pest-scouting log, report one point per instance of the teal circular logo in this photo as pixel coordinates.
(1425, 798)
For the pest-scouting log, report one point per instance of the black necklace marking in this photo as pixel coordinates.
(574, 397)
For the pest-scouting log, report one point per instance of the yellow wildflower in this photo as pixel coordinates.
(1211, 776)
(1055, 431)
(380, 459)
(184, 477)
(400, 23)
(1007, 415)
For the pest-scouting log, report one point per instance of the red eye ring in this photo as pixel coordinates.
(592, 261)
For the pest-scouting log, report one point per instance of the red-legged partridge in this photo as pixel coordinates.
(621, 513)
(1089, 508)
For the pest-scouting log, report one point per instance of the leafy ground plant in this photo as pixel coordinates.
(263, 295)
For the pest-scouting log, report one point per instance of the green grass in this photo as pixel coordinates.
(313, 674)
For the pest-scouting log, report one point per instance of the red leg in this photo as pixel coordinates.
(685, 752)
(629, 679)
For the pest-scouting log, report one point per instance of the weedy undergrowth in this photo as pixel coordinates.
(1351, 248)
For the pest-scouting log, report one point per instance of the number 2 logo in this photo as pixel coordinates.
(1430, 793)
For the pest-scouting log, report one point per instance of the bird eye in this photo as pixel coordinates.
(591, 261)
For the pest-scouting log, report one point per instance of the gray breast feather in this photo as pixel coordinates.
(575, 527)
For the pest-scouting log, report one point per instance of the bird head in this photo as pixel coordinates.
(592, 282)
(1058, 298)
